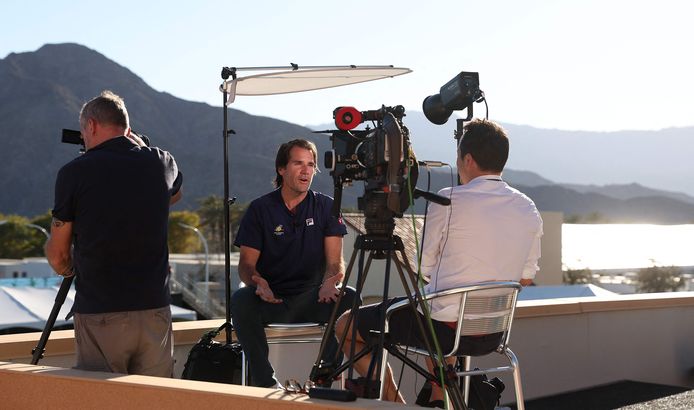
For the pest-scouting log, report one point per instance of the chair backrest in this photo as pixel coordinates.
(484, 308)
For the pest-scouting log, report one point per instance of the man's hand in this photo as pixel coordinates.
(329, 290)
(135, 138)
(263, 290)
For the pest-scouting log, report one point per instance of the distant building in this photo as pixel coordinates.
(188, 270)
(25, 268)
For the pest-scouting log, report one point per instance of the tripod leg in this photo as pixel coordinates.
(361, 279)
(416, 299)
(40, 348)
(361, 386)
(455, 395)
(375, 348)
(406, 263)
(362, 282)
(333, 317)
(379, 246)
(452, 387)
(382, 320)
(354, 314)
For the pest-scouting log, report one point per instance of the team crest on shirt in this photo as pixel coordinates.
(309, 221)
(279, 230)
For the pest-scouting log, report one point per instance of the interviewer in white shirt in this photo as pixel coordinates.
(490, 232)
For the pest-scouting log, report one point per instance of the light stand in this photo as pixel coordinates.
(458, 134)
(227, 203)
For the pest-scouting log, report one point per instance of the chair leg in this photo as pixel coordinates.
(244, 369)
(464, 365)
(516, 378)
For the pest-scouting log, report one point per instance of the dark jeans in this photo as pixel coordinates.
(250, 315)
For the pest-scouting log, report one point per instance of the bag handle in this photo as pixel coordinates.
(212, 334)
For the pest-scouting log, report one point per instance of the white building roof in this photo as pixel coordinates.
(562, 291)
(30, 307)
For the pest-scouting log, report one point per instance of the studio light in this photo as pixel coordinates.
(457, 94)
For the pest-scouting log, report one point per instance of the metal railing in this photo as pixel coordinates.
(201, 298)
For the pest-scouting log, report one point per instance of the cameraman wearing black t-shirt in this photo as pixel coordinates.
(112, 206)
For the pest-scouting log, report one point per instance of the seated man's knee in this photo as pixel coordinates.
(243, 300)
(341, 325)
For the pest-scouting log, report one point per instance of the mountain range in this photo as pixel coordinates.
(41, 92)
(659, 159)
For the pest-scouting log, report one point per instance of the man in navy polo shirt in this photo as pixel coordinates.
(291, 259)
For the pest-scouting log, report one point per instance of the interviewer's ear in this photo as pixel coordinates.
(468, 160)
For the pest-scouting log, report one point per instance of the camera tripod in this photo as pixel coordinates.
(380, 247)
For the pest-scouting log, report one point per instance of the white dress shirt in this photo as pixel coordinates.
(490, 231)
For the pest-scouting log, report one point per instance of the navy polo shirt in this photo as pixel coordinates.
(291, 245)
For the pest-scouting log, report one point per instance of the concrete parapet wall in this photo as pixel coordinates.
(42, 387)
(562, 344)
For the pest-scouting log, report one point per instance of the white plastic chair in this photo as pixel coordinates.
(484, 308)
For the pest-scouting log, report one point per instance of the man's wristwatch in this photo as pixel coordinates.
(68, 273)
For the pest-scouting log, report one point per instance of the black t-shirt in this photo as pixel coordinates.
(291, 245)
(117, 196)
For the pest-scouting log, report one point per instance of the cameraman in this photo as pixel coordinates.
(112, 205)
(490, 232)
(291, 259)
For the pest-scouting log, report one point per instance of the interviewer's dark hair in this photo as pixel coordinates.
(488, 144)
(282, 158)
(107, 108)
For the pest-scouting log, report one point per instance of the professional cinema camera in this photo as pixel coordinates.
(381, 156)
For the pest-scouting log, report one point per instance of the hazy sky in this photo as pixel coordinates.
(588, 64)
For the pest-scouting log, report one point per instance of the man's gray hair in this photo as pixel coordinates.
(107, 108)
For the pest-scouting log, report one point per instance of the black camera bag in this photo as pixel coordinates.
(484, 394)
(213, 361)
